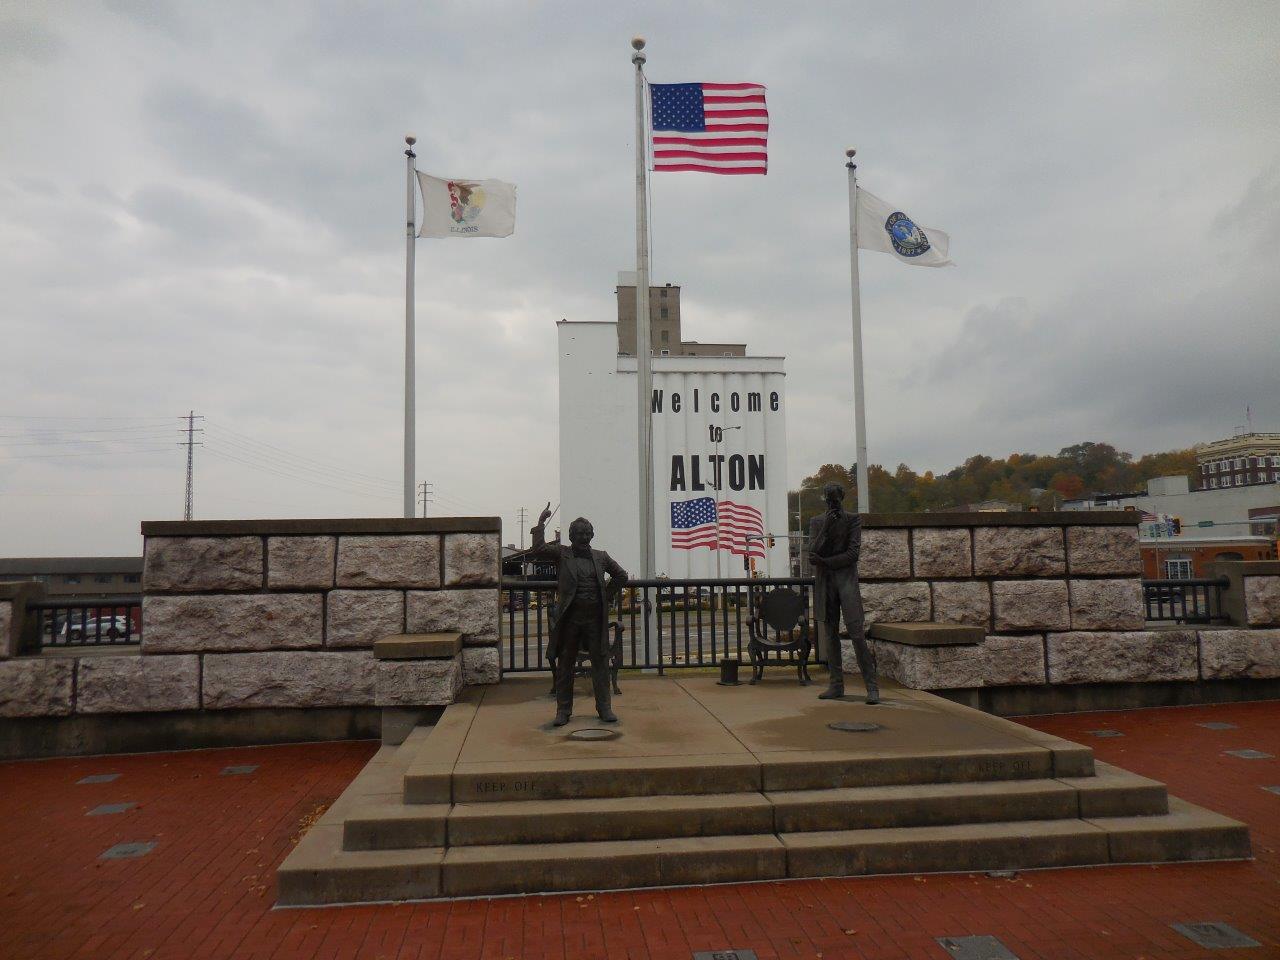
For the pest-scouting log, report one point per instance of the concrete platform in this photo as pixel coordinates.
(701, 783)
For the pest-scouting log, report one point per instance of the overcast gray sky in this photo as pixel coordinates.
(201, 207)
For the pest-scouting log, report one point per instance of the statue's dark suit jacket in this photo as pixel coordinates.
(567, 588)
(837, 537)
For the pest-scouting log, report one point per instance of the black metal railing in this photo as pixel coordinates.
(1185, 601)
(100, 621)
(665, 624)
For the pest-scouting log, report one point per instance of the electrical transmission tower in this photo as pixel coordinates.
(191, 444)
(426, 494)
(524, 514)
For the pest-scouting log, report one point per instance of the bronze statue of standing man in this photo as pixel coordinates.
(583, 598)
(835, 539)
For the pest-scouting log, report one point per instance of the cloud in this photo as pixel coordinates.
(204, 209)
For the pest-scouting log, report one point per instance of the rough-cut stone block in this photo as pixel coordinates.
(1112, 550)
(884, 555)
(289, 679)
(900, 602)
(417, 683)
(195, 564)
(473, 613)
(930, 668)
(1261, 601)
(1107, 605)
(1239, 653)
(138, 684)
(356, 618)
(8, 642)
(481, 665)
(946, 552)
(472, 559)
(1136, 657)
(36, 687)
(300, 563)
(408, 560)
(268, 621)
(962, 601)
(1030, 605)
(1012, 661)
(1018, 551)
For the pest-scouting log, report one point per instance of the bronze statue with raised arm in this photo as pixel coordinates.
(835, 540)
(581, 621)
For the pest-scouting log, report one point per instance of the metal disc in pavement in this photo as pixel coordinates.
(853, 726)
(593, 733)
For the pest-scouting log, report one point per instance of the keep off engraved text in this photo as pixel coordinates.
(1004, 769)
(504, 786)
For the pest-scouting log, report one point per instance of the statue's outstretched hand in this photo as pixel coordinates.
(546, 513)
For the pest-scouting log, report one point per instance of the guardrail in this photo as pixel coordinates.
(1185, 601)
(666, 624)
(101, 621)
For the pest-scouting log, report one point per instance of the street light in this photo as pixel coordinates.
(718, 473)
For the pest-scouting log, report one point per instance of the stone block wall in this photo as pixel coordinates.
(1252, 595)
(1059, 596)
(281, 614)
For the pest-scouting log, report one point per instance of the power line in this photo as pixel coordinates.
(224, 455)
(286, 464)
(309, 461)
(523, 515)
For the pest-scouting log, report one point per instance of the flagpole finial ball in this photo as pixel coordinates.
(410, 139)
(851, 153)
(637, 43)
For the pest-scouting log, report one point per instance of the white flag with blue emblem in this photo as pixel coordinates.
(884, 228)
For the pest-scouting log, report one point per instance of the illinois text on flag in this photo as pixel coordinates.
(702, 522)
(710, 127)
(884, 228)
(466, 208)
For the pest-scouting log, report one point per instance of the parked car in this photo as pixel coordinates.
(74, 630)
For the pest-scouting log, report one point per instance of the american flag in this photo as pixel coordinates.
(693, 525)
(710, 127)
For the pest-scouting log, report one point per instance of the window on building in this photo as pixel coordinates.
(102, 578)
(133, 578)
(72, 578)
(666, 353)
(663, 313)
(1253, 461)
(1213, 481)
(1177, 569)
(663, 293)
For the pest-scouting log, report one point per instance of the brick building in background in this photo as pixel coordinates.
(664, 324)
(1243, 460)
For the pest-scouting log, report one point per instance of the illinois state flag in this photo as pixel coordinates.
(886, 229)
(466, 208)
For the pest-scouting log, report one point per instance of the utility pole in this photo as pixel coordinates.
(190, 443)
(524, 515)
(426, 494)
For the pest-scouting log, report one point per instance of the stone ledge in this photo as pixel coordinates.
(418, 646)
(928, 634)
(1060, 518)
(284, 528)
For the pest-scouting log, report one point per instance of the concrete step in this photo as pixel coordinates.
(386, 823)
(319, 871)
(919, 805)
(613, 865)
(1186, 832)
(826, 770)
(958, 847)
(597, 777)
(613, 818)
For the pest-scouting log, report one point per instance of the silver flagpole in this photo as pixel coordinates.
(859, 406)
(644, 372)
(409, 375)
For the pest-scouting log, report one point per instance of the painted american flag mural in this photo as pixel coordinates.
(702, 522)
(710, 127)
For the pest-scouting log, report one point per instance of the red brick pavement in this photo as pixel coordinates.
(207, 889)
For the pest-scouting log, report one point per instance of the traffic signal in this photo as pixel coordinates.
(1176, 523)
(771, 543)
